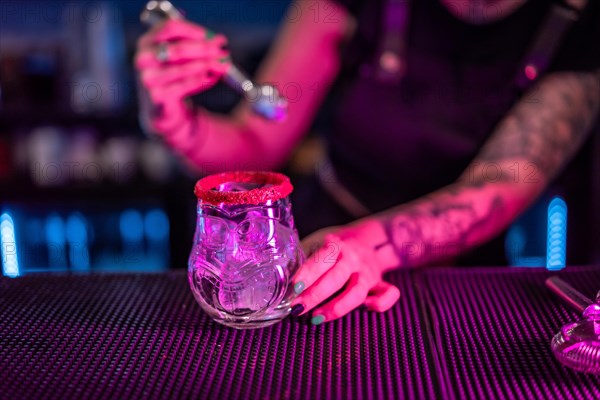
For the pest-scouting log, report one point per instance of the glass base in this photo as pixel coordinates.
(249, 324)
(279, 313)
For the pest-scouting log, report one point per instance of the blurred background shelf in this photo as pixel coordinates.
(82, 188)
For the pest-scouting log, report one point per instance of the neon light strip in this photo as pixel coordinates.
(556, 253)
(8, 241)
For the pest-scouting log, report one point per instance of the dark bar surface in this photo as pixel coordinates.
(144, 336)
(493, 329)
(455, 333)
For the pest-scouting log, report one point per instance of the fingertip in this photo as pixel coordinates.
(376, 306)
(305, 278)
(297, 310)
(219, 39)
(225, 68)
(387, 295)
(391, 294)
(299, 287)
(317, 319)
(330, 311)
(223, 64)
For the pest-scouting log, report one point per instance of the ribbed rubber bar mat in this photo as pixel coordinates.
(144, 336)
(493, 329)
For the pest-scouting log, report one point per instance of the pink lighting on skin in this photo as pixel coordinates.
(194, 66)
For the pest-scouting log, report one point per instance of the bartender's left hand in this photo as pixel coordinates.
(352, 257)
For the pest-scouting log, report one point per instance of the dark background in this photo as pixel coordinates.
(81, 186)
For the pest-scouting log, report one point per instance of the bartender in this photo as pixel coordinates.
(451, 119)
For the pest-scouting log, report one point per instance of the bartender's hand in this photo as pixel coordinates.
(175, 60)
(352, 257)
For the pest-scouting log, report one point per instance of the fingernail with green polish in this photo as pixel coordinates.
(209, 34)
(317, 320)
(299, 287)
(224, 60)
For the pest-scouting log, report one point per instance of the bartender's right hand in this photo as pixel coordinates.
(175, 60)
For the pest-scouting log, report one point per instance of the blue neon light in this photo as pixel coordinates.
(556, 254)
(8, 241)
(156, 225)
(131, 226)
(55, 230)
(76, 233)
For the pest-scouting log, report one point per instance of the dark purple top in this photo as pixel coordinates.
(393, 143)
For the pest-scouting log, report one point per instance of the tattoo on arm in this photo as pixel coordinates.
(548, 132)
(440, 229)
(544, 134)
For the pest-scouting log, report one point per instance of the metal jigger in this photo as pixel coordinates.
(577, 345)
(265, 100)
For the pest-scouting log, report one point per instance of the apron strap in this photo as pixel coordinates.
(390, 58)
(549, 37)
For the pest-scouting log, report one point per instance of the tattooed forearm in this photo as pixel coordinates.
(547, 128)
(543, 133)
(445, 224)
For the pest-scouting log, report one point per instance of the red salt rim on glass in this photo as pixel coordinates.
(281, 187)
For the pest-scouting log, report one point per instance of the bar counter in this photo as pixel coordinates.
(456, 333)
